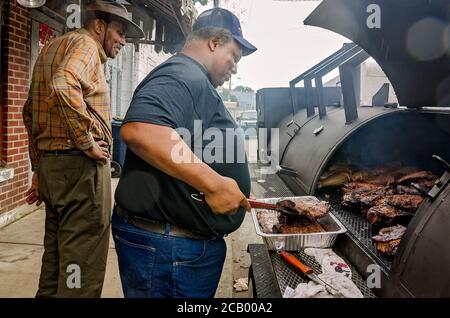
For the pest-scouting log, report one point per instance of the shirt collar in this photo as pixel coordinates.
(101, 51)
(195, 62)
(202, 68)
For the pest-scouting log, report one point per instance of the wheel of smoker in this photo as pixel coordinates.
(116, 169)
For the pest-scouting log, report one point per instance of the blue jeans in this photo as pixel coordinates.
(156, 265)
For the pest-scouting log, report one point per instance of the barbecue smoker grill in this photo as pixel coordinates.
(413, 48)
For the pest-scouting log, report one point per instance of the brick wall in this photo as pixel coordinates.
(15, 59)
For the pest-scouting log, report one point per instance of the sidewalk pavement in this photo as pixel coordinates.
(21, 249)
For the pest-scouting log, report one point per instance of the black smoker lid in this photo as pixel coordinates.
(412, 45)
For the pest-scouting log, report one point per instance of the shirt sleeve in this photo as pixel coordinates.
(78, 66)
(162, 101)
(27, 120)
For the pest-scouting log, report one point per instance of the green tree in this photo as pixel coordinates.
(244, 89)
(234, 99)
(225, 95)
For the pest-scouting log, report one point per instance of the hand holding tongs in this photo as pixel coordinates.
(307, 271)
(200, 197)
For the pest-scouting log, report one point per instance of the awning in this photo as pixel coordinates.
(172, 19)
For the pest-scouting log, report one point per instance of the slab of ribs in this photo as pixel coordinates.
(388, 239)
(387, 196)
(309, 210)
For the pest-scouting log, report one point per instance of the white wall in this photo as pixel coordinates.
(126, 71)
(146, 60)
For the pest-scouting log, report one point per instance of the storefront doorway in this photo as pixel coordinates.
(45, 25)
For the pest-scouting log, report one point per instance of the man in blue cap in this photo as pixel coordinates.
(169, 244)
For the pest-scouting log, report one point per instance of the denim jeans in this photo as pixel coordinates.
(154, 265)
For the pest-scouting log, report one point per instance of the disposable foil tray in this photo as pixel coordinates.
(295, 242)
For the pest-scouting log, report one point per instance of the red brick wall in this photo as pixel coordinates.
(15, 58)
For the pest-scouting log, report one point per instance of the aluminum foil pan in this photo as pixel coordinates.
(295, 242)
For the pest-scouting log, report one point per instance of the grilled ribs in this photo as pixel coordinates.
(365, 195)
(310, 208)
(401, 189)
(360, 187)
(403, 171)
(334, 180)
(297, 225)
(277, 223)
(372, 198)
(387, 215)
(267, 220)
(428, 184)
(388, 239)
(407, 202)
(288, 204)
(383, 179)
(387, 196)
(415, 177)
(355, 191)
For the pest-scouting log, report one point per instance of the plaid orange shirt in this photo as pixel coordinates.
(68, 104)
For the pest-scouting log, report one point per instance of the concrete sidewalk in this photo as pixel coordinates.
(21, 249)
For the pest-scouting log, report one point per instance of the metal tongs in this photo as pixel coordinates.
(307, 271)
(270, 206)
(255, 204)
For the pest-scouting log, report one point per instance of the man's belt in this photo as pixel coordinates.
(159, 227)
(73, 152)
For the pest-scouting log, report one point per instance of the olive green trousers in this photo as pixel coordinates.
(76, 191)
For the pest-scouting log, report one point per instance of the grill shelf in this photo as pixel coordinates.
(358, 227)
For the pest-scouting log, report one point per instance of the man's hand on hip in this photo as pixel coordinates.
(33, 193)
(226, 197)
(99, 151)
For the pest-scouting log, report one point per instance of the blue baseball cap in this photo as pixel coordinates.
(222, 18)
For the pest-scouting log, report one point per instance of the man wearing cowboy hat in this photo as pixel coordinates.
(68, 119)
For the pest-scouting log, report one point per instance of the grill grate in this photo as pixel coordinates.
(357, 226)
(288, 276)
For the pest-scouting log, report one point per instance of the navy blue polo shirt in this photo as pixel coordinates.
(179, 94)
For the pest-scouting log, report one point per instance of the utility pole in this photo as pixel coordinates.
(229, 90)
(229, 86)
(216, 3)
